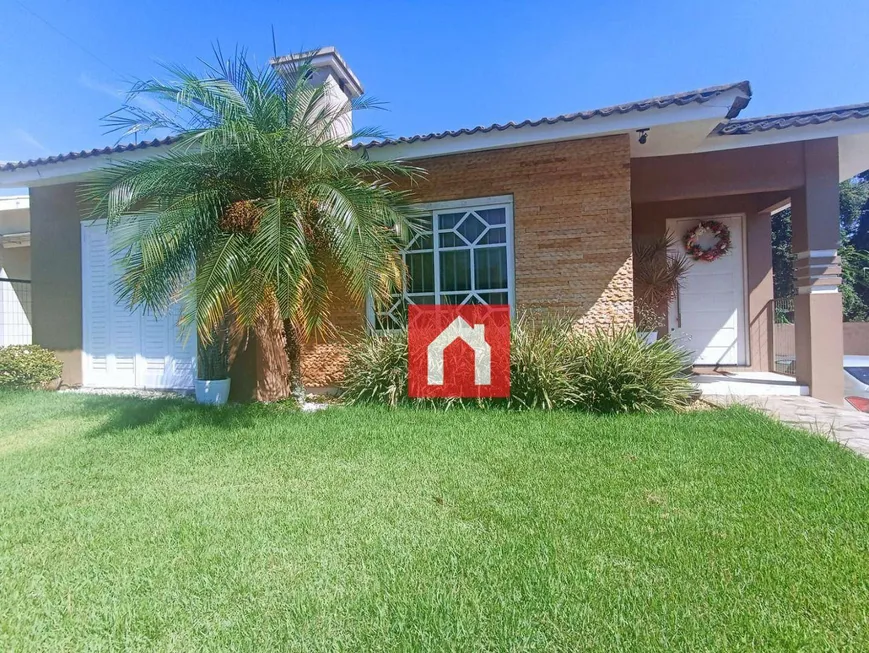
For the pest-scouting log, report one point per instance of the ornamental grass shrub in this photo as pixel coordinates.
(552, 366)
(376, 371)
(28, 366)
(542, 354)
(615, 371)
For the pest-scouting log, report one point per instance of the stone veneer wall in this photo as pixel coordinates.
(572, 231)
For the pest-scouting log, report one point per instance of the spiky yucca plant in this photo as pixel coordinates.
(659, 269)
(552, 366)
(256, 209)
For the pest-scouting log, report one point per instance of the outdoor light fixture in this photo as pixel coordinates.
(644, 135)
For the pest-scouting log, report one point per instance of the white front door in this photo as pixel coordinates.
(124, 348)
(708, 315)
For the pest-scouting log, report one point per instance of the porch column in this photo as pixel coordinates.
(818, 304)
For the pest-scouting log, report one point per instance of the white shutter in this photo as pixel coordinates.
(123, 348)
(182, 351)
(154, 360)
(96, 300)
(125, 331)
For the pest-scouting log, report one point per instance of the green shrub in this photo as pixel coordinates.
(541, 359)
(551, 366)
(27, 366)
(614, 371)
(376, 371)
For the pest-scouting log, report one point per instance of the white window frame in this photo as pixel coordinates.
(450, 206)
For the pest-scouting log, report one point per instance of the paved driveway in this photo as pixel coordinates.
(844, 425)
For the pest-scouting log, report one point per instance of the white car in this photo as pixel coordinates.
(857, 376)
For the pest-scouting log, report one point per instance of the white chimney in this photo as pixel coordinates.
(333, 73)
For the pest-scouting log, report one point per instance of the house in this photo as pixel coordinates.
(539, 213)
(15, 270)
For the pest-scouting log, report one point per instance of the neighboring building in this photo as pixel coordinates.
(536, 214)
(15, 270)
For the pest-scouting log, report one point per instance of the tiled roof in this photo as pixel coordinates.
(786, 120)
(84, 154)
(700, 96)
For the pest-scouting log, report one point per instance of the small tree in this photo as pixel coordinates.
(256, 210)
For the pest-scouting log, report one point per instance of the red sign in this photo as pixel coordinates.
(458, 351)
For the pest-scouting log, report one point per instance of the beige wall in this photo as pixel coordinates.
(55, 238)
(14, 221)
(15, 261)
(855, 337)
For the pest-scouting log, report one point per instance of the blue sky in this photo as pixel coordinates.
(439, 65)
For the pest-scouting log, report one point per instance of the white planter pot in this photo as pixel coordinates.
(213, 392)
(648, 336)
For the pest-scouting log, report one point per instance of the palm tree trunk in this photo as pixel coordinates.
(294, 360)
(273, 370)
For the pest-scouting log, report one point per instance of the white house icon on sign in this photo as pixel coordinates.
(474, 337)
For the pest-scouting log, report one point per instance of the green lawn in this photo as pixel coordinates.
(159, 525)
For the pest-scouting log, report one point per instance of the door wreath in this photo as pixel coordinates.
(722, 241)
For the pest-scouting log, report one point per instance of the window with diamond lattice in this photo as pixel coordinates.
(464, 256)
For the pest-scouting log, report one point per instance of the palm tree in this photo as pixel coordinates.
(257, 208)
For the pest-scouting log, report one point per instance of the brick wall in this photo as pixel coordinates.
(323, 360)
(572, 229)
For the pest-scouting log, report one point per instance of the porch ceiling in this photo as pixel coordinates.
(741, 171)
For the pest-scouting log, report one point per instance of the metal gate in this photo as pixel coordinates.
(784, 347)
(15, 312)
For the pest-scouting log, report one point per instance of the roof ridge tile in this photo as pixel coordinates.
(746, 126)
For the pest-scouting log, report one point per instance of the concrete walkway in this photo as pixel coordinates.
(846, 426)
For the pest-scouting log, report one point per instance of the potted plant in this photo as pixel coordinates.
(659, 268)
(212, 382)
